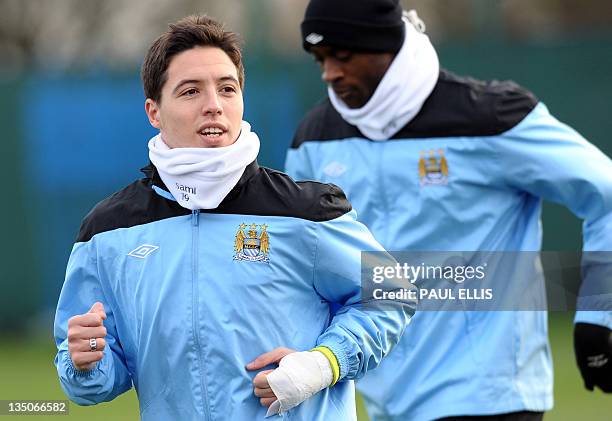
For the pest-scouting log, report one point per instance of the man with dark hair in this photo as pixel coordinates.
(182, 282)
(436, 162)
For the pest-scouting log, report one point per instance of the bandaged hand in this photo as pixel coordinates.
(299, 376)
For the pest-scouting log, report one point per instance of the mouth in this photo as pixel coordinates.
(212, 131)
(343, 92)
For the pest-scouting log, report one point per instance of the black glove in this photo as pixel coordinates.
(593, 346)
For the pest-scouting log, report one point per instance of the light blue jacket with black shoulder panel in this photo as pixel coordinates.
(468, 173)
(191, 297)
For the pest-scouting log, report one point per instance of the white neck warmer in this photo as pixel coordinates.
(200, 178)
(402, 91)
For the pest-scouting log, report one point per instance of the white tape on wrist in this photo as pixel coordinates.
(298, 377)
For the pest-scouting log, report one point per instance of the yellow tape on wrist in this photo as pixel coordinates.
(333, 361)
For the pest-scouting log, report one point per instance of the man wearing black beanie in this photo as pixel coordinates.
(342, 24)
(436, 162)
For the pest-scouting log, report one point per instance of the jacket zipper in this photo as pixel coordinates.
(195, 224)
(383, 192)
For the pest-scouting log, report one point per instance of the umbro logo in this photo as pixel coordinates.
(335, 169)
(314, 38)
(597, 361)
(143, 251)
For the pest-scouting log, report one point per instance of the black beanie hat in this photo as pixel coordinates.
(361, 25)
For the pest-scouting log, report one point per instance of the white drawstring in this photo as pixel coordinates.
(415, 20)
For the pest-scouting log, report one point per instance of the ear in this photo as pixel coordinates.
(152, 109)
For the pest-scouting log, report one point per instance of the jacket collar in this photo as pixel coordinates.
(150, 171)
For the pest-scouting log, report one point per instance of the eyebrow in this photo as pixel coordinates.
(229, 78)
(183, 82)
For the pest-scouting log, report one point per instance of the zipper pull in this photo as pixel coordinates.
(195, 217)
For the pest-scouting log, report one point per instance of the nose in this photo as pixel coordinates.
(212, 106)
(332, 70)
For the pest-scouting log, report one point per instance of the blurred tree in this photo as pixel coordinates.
(70, 34)
(73, 34)
(554, 18)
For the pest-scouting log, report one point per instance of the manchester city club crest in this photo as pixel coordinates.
(433, 168)
(252, 245)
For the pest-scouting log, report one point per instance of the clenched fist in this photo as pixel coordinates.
(81, 330)
(261, 387)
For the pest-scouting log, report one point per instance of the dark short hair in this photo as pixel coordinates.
(189, 32)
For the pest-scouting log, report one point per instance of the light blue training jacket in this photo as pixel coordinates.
(192, 297)
(468, 173)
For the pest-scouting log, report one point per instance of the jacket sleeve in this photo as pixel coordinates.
(360, 334)
(298, 165)
(548, 159)
(82, 288)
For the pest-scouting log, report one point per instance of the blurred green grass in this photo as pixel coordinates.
(27, 372)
